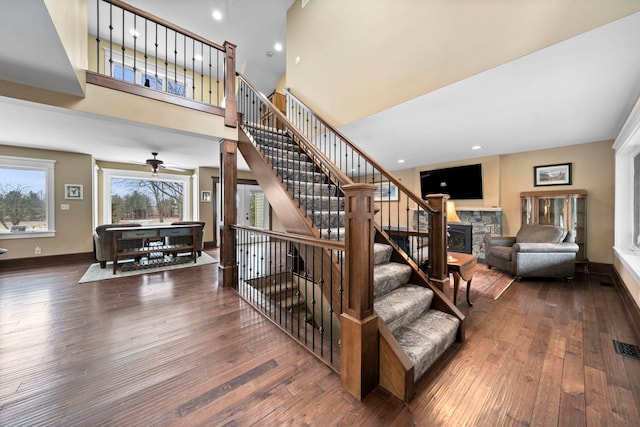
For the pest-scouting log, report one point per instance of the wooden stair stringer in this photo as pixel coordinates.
(290, 215)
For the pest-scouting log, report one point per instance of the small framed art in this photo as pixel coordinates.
(73, 191)
(559, 174)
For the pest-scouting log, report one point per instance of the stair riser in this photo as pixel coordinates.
(306, 188)
(291, 164)
(328, 219)
(390, 276)
(310, 203)
(297, 176)
(277, 153)
(285, 145)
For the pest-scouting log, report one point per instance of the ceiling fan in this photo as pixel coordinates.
(156, 164)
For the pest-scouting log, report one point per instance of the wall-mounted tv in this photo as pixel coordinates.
(460, 182)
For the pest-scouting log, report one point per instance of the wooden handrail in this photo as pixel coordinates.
(388, 175)
(164, 23)
(343, 179)
(295, 238)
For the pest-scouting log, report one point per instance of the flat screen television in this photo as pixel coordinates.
(460, 182)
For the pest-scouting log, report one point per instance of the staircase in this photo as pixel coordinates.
(408, 322)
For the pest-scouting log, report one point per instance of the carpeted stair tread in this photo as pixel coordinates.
(427, 338)
(402, 306)
(389, 276)
(381, 253)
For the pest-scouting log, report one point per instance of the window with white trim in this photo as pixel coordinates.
(133, 196)
(27, 203)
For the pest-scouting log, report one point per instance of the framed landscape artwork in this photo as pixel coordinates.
(559, 174)
(385, 192)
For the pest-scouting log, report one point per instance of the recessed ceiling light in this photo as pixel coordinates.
(134, 33)
(217, 15)
(278, 47)
(476, 147)
(401, 161)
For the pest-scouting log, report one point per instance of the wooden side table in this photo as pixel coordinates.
(461, 266)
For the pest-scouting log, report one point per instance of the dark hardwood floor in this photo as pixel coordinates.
(173, 348)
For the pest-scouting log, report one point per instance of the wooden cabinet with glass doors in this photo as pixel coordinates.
(564, 208)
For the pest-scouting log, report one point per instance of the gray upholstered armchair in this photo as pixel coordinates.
(535, 251)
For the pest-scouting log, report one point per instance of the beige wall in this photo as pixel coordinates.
(592, 170)
(356, 59)
(70, 20)
(506, 176)
(73, 226)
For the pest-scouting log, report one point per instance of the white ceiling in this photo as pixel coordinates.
(574, 92)
(578, 91)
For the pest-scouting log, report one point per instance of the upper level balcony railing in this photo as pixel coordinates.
(129, 45)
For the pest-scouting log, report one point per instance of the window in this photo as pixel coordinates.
(26, 197)
(131, 196)
(175, 83)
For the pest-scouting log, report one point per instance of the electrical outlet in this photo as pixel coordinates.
(38, 250)
(64, 207)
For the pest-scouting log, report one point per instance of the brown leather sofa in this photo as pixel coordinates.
(535, 251)
(103, 242)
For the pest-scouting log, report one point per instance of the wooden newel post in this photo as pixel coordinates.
(230, 100)
(359, 323)
(438, 242)
(228, 269)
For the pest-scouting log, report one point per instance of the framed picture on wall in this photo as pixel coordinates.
(385, 192)
(205, 196)
(559, 174)
(73, 191)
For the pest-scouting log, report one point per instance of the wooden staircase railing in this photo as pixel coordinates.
(357, 177)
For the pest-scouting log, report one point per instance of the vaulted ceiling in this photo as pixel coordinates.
(576, 90)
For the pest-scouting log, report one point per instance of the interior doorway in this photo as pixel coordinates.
(253, 207)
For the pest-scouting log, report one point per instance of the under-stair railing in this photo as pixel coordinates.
(253, 106)
(278, 275)
(138, 48)
(402, 214)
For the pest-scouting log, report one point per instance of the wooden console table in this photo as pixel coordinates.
(154, 244)
(461, 266)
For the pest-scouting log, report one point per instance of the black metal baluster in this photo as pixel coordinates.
(98, 36)
(184, 64)
(146, 41)
(175, 59)
(156, 56)
(123, 48)
(135, 47)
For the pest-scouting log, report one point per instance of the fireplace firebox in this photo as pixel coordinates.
(460, 238)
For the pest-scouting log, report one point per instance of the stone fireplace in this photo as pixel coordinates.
(476, 221)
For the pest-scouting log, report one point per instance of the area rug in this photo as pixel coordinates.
(94, 272)
(488, 283)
